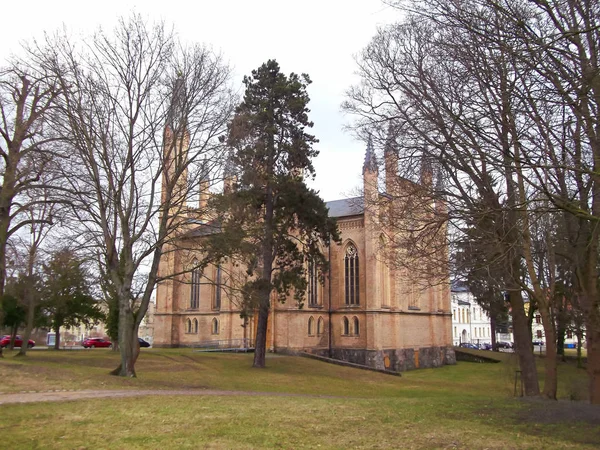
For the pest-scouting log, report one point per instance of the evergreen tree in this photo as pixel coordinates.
(271, 221)
(67, 294)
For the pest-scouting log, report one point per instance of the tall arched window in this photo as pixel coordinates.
(195, 288)
(195, 326)
(217, 301)
(346, 325)
(188, 326)
(383, 273)
(215, 326)
(320, 326)
(351, 275)
(311, 326)
(356, 326)
(313, 284)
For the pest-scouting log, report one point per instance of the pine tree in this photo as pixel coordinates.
(271, 221)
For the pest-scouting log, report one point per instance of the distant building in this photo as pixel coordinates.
(470, 323)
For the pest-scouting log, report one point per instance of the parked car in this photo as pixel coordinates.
(468, 345)
(501, 344)
(538, 343)
(143, 343)
(96, 342)
(485, 346)
(5, 342)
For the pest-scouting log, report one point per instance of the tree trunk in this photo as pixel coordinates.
(28, 328)
(579, 344)
(593, 361)
(57, 339)
(128, 344)
(261, 332)
(560, 338)
(493, 331)
(523, 345)
(551, 378)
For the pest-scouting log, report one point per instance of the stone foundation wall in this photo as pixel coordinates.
(399, 360)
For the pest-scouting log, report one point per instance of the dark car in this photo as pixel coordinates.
(501, 344)
(143, 343)
(538, 343)
(96, 342)
(485, 346)
(468, 345)
(5, 342)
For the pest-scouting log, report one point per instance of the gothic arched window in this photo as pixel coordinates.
(320, 326)
(188, 326)
(346, 325)
(313, 284)
(215, 326)
(218, 274)
(195, 326)
(311, 326)
(351, 275)
(356, 327)
(195, 288)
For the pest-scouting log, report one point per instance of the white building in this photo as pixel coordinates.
(470, 323)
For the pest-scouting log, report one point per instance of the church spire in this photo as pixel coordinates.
(176, 116)
(426, 169)
(370, 163)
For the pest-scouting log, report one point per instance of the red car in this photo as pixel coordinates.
(96, 342)
(5, 342)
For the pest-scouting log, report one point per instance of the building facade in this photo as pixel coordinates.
(366, 311)
(470, 323)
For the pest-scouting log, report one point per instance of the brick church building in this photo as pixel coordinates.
(365, 312)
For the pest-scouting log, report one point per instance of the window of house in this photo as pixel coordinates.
(320, 326)
(313, 284)
(538, 334)
(195, 289)
(215, 326)
(569, 334)
(346, 325)
(356, 326)
(538, 318)
(311, 326)
(351, 275)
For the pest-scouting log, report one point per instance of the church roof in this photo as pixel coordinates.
(346, 207)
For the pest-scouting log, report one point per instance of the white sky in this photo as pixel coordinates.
(315, 37)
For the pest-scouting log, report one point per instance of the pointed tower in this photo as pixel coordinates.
(426, 170)
(204, 188)
(390, 155)
(174, 192)
(176, 143)
(229, 177)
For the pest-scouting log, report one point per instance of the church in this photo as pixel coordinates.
(366, 311)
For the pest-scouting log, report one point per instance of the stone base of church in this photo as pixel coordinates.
(399, 360)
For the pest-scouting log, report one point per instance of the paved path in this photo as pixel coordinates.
(58, 396)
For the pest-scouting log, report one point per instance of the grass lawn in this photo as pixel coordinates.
(466, 406)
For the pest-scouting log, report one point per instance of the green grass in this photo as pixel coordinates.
(464, 406)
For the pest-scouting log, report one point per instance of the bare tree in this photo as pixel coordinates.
(25, 152)
(449, 97)
(140, 117)
(503, 96)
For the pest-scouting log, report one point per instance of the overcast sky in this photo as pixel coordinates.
(318, 37)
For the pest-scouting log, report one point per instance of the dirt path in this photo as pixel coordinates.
(60, 396)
